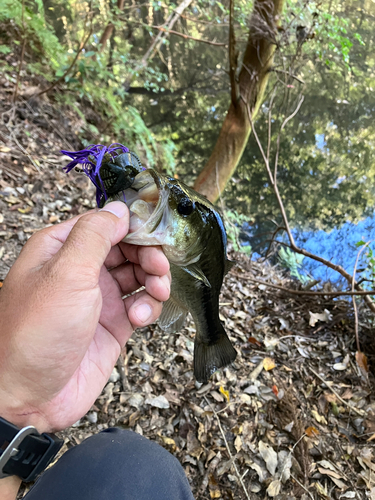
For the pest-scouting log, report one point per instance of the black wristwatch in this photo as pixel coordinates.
(24, 452)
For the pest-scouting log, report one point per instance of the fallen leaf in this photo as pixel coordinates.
(260, 471)
(217, 397)
(361, 360)
(275, 390)
(343, 365)
(269, 455)
(256, 372)
(136, 400)
(322, 491)
(238, 443)
(253, 340)
(25, 210)
(319, 418)
(268, 364)
(339, 483)
(315, 317)
(284, 324)
(170, 442)
(225, 393)
(331, 398)
(312, 431)
(214, 487)
(284, 465)
(330, 473)
(274, 488)
(193, 446)
(158, 402)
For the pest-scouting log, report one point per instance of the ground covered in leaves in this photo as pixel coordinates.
(294, 417)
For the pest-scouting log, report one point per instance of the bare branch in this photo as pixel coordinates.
(287, 119)
(287, 73)
(59, 80)
(170, 22)
(178, 33)
(233, 56)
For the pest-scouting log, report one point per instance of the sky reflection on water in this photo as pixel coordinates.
(337, 245)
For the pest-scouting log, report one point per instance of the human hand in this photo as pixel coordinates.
(63, 319)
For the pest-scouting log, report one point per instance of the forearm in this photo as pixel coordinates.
(9, 487)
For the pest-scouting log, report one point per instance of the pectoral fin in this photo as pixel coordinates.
(197, 273)
(172, 316)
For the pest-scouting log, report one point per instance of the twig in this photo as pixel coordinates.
(287, 73)
(303, 292)
(302, 486)
(354, 303)
(356, 410)
(170, 22)
(228, 449)
(22, 53)
(21, 148)
(287, 119)
(178, 33)
(56, 82)
(280, 228)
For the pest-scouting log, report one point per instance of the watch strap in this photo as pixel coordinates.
(24, 452)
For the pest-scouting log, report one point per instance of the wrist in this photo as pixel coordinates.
(9, 487)
(20, 416)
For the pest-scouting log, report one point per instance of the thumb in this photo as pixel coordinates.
(93, 236)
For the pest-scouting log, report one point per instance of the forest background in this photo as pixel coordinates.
(157, 77)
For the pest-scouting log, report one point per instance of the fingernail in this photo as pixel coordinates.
(117, 208)
(143, 312)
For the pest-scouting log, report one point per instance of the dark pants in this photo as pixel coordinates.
(114, 465)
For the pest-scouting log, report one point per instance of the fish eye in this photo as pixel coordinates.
(185, 207)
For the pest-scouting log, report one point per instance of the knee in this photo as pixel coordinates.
(110, 463)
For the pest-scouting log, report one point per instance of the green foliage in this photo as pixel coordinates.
(233, 224)
(38, 33)
(293, 262)
(368, 265)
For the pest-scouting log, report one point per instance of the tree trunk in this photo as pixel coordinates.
(107, 33)
(252, 82)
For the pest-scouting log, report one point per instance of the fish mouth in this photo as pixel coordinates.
(147, 200)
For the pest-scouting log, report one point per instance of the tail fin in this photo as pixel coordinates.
(210, 357)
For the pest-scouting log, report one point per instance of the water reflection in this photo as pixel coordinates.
(337, 245)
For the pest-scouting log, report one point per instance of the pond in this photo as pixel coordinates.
(338, 245)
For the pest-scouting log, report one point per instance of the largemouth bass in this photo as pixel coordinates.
(164, 211)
